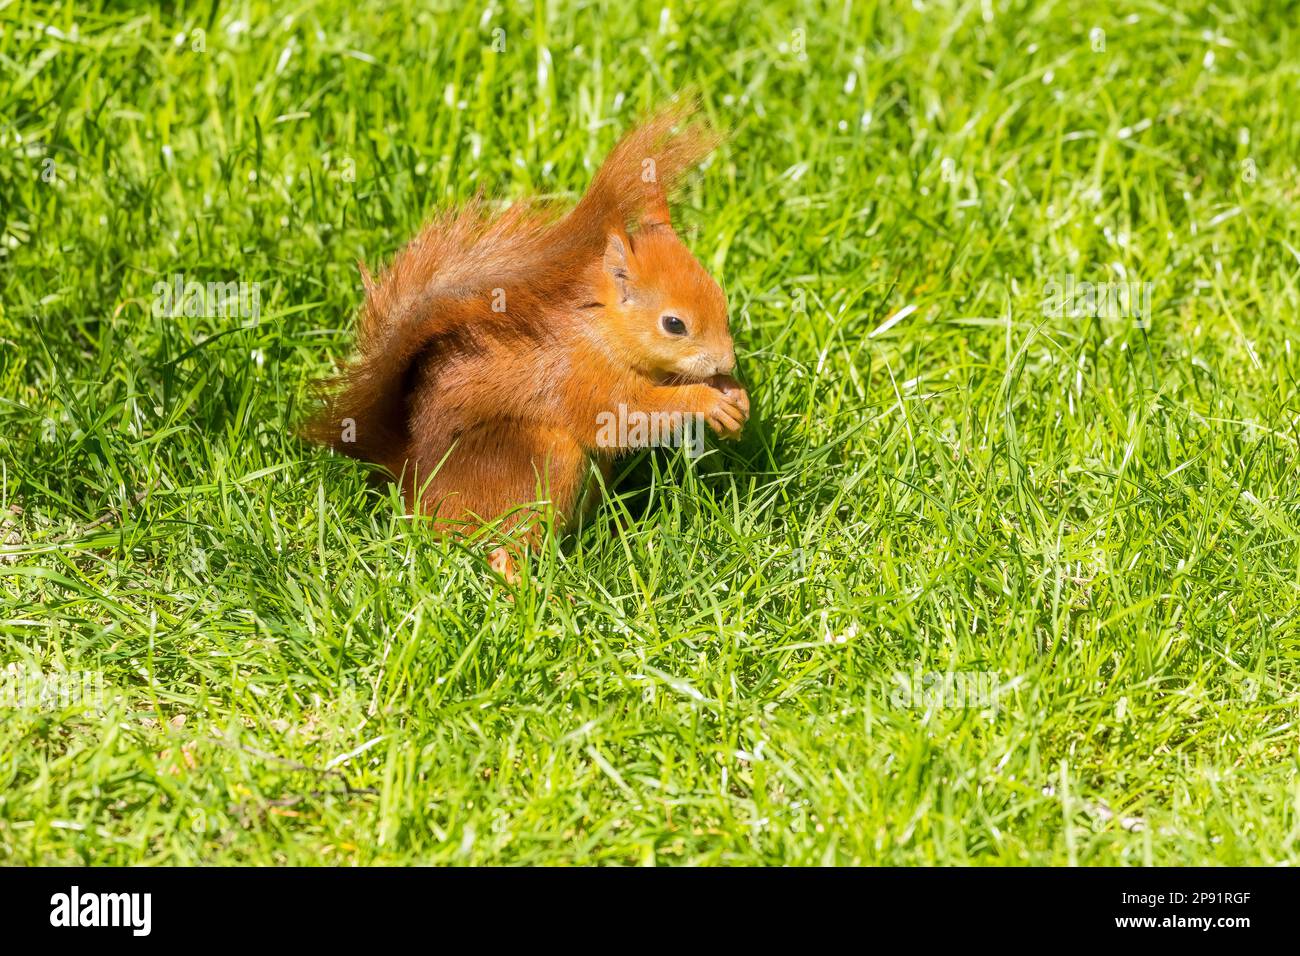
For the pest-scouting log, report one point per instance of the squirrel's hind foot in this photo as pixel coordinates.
(503, 563)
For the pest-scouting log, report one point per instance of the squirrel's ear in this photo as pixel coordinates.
(618, 264)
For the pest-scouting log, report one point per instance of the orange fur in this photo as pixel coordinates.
(489, 347)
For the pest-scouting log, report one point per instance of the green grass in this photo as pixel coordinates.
(1103, 516)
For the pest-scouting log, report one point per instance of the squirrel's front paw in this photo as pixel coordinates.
(728, 407)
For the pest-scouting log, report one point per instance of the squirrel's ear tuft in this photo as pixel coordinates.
(618, 264)
(656, 212)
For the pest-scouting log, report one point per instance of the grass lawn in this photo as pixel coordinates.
(1001, 572)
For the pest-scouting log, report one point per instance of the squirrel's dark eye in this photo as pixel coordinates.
(673, 325)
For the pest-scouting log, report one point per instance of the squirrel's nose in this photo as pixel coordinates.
(727, 365)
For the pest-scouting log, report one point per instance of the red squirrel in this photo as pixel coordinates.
(492, 347)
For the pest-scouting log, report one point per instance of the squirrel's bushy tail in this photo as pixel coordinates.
(445, 279)
(639, 174)
(442, 280)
